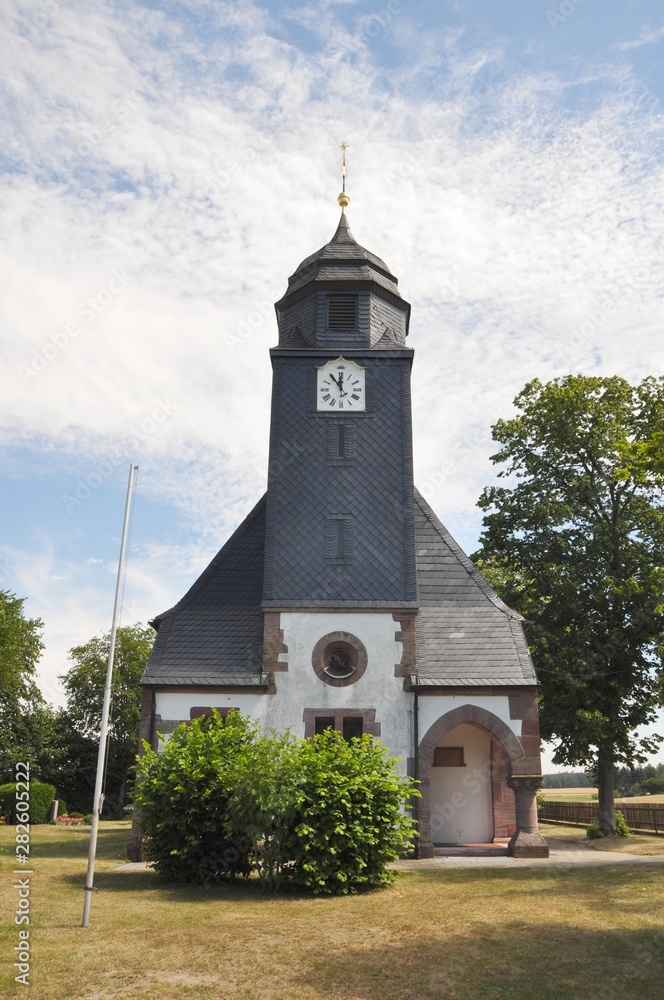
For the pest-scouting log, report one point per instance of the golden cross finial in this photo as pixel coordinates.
(343, 198)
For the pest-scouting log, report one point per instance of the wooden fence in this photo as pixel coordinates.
(644, 818)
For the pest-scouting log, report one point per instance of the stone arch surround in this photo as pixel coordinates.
(472, 714)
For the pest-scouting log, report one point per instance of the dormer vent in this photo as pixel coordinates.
(342, 312)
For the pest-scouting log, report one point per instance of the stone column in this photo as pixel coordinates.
(527, 842)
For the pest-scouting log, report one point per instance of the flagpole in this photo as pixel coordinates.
(101, 756)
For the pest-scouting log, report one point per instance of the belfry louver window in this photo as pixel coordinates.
(342, 312)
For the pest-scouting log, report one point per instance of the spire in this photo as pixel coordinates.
(343, 233)
(343, 198)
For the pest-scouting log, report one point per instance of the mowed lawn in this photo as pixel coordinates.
(470, 934)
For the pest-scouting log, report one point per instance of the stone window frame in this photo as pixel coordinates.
(347, 641)
(444, 757)
(368, 716)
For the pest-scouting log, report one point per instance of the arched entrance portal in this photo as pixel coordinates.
(460, 787)
(472, 767)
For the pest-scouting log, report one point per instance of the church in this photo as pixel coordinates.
(341, 600)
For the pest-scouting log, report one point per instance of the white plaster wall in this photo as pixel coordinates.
(176, 705)
(461, 804)
(432, 707)
(299, 688)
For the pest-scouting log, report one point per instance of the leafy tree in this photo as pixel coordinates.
(576, 544)
(20, 648)
(84, 685)
(566, 779)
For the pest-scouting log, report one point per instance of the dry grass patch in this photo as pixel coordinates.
(469, 934)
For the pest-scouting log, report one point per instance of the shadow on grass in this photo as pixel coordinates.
(551, 962)
(110, 845)
(591, 883)
(240, 891)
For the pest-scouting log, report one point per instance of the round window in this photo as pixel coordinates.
(339, 658)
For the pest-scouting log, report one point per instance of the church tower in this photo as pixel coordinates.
(342, 601)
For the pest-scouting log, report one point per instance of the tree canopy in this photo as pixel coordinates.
(575, 542)
(20, 701)
(84, 685)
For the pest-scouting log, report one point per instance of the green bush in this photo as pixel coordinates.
(322, 814)
(183, 793)
(40, 799)
(622, 830)
(263, 804)
(62, 807)
(351, 820)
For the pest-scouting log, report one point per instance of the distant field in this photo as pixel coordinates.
(590, 795)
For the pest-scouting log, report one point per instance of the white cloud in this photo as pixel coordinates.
(198, 157)
(649, 36)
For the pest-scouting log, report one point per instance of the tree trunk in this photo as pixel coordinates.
(607, 809)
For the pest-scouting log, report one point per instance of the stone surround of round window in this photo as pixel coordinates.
(339, 658)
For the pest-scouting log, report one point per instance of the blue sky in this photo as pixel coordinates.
(167, 165)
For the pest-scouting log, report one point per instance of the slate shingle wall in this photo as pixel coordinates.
(215, 633)
(374, 489)
(465, 634)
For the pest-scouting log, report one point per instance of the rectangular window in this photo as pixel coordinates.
(352, 726)
(341, 449)
(317, 720)
(342, 312)
(448, 757)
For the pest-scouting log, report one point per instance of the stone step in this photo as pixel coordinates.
(471, 851)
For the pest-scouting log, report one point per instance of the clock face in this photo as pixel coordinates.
(340, 386)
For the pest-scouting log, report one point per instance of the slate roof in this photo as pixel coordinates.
(342, 259)
(466, 636)
(214, 635)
